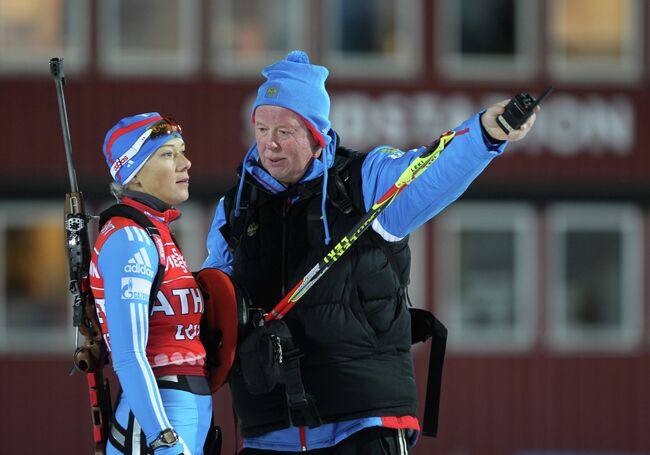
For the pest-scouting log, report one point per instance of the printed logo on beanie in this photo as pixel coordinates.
(272, 91)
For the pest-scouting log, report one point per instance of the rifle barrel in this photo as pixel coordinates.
(56, 68)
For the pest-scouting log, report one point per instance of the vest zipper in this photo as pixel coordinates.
(283, 269)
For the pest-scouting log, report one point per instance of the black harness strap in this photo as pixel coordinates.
(126, 211)
(338, 195)
(434, 377)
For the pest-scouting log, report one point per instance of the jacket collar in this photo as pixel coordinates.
(166, 216)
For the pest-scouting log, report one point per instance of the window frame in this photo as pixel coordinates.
(488, 216)
(75, 52)
(358, 66)
(117, 62)
(37, 339)
(451, 63)
(563, 217)
(225, 63)
(594, 69)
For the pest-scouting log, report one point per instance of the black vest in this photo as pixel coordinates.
(353, 326)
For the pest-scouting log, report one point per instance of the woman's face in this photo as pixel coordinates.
(165, 174)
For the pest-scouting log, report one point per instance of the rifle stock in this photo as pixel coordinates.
(91, 356)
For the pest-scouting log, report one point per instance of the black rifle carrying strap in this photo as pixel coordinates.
(126, 211)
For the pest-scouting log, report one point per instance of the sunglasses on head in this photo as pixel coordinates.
(165, 126)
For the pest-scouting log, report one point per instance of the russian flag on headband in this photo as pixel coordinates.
(116, 133)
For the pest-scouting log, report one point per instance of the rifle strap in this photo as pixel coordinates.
(126, 211)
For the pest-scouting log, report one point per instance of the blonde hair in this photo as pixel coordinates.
(117, 190)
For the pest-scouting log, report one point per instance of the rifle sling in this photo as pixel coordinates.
(126, 211)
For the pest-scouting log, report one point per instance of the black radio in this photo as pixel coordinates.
(518, 110)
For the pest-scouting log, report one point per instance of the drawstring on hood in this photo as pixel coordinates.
(242, 177)
(317, 169)
(326, 228)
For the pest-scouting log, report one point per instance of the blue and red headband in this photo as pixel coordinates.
(130, 143)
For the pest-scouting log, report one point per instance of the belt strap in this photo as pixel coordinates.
(197, 385)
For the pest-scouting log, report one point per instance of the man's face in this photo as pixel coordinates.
(285, 145)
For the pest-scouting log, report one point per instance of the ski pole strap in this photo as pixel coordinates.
(302, 407)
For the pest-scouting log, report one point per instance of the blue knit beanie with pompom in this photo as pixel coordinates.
(295, 84)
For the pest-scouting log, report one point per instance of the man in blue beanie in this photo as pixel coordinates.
(300, 191)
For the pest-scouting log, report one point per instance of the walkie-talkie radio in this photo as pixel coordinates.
(518, 110)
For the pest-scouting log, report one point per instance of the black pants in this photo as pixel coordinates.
(369, 441)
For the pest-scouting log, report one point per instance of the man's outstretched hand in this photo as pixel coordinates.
(489, 122)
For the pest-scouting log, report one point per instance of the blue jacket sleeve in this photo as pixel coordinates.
(128, 263)
(437, 187)
(218, 254)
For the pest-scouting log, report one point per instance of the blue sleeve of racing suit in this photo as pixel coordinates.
(437, 187)
(218, 254)
(128, 263)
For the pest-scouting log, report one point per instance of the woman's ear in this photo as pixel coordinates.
(134, 184)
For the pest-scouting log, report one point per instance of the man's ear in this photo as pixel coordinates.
(316, 150)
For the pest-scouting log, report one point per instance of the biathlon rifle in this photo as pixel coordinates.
(91, 355)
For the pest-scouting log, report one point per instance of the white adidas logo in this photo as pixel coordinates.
(140, 264)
